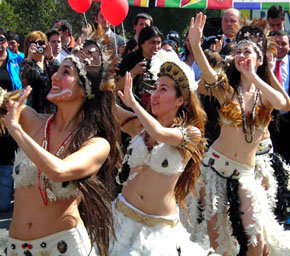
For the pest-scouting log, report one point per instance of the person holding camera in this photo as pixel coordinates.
(37, 69)
(138, 64)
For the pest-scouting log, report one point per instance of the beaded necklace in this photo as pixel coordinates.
(46, 192)
(248, 131)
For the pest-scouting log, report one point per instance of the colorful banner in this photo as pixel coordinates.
(222, 4)
(247, 4)
(219, 4)
(266, 4)
(139, 3)
(196, 4)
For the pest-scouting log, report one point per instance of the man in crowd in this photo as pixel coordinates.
(276, 18)
(141, 21)
(53, 37)
(67, 40)
(281, 139)
(99, 19)
(13, 43)
(10, 81)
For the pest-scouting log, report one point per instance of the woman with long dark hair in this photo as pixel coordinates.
(164, 159)
(235, 209)
(63, 169)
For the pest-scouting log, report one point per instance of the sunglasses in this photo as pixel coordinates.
(2, 39)
(38, 42)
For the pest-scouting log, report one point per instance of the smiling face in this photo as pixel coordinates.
(65, 84)
(245, 52)
(151, 46)
(164, 102)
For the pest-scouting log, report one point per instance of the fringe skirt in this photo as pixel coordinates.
(141, 234)
(224, 180)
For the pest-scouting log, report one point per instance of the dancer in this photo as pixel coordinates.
(235, 207)
(164, 160)
(63, 169)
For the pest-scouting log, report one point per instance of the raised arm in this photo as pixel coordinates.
(272, 96)
(195, 35)
(171, 136)
(93, 153)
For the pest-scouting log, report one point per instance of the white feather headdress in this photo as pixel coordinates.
(166, 63)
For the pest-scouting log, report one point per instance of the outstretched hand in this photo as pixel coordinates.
(14, 109)
(127, 95)
(196, 29)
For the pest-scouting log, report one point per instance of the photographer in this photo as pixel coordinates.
(36, 70)
(138, 63)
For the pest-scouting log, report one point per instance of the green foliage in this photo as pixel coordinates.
(8, 16)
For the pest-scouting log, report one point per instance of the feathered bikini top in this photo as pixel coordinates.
(230, 114)
(163, 158)
(25, 173)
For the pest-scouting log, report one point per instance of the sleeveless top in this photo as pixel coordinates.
(163, 158)
(230, 114)
(25, 173)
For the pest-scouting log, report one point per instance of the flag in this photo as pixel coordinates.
(139, 3)
(196, 4)
(266, 4)
(247, 4)
(219, 4)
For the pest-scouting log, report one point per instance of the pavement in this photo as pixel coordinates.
(5, 219)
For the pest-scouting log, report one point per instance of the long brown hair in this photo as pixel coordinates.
(99, 120)
(190, 113)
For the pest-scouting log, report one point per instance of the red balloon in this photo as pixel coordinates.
(80, 6)
(114, 11)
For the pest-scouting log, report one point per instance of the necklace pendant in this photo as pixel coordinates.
(60, 151)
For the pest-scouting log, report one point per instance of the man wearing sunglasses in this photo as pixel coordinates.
(10, 81)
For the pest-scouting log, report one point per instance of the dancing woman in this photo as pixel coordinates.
(164, 161)
(64, 165)
(235, 207)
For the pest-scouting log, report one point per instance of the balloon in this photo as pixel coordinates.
(80, 6)
(114, 11)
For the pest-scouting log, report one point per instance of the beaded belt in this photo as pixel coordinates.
(141, 218)
(225, 167)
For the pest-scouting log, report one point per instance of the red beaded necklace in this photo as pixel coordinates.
(45, 145)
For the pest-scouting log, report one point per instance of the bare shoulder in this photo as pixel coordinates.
(31, 121)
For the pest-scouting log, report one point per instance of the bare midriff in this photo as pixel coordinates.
(32, 219)
(151, 192)
(232, 144)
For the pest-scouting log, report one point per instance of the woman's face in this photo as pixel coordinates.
(164, 101)
(65, 83)
(245, 52)
(37, 46)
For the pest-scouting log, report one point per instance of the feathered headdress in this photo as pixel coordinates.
(166, 63)
(256, 32)
(95, 60)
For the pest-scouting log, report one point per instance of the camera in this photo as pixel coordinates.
(208, 41)
(39, 49)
